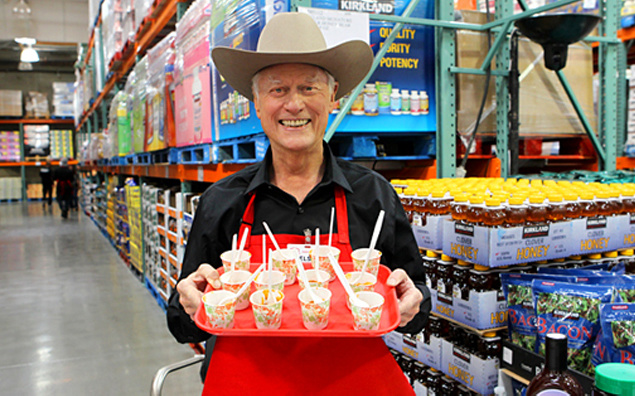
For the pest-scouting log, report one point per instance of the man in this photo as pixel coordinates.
(46, 176)
(294, 82)
(64, 176)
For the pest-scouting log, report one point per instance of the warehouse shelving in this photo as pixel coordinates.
(22, 164)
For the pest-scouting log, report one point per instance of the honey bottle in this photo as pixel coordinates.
(406, 202)
(494, 213)
(430, 267)
(475, 209)
(628, 200)
(489, 346)
(516, 212)
(444, 275)
(611, 259)
(628, 258)
(615, 202)
(557, 208)
(418, 214)
(480, 279)
(439, 203)
(460, 274)
(458, 208)
(602, 205)
(587, 204)
(537, 210)
(572, 206)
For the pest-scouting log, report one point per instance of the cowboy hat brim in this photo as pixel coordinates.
(348, 62)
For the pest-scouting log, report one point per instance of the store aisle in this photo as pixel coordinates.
(74, 320)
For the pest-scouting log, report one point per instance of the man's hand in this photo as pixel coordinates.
(191, 288)
(408, 295)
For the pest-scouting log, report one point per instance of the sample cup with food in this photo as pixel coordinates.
(323, 258)
(267, 308)
(277, 280)
(316, 278)
(220, 309)
(360, 281)
(233, 281)
(367, 318)
(284, 260)
(242, 262)
(359, 255)
(315, 316)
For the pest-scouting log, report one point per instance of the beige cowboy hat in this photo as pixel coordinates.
(294, 37)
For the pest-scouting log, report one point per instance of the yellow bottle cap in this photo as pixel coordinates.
(438, 193)
(463, 263)
(431, 253)
(587, 195)
(536, 199)
(575, 257)
(627, 252)
(446, 258)
(610, 254)
(596, 256)
(602, 194)
(571, 196)
(479, 267)
(410, 191)
(492, 202)
(476, 199)
(516, 200)
(542, 262)
(555, 197)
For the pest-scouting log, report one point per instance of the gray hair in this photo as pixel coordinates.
(256, 79)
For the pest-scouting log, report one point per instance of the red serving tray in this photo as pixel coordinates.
(340, 317)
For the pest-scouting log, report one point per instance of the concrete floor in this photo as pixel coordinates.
(73, 318)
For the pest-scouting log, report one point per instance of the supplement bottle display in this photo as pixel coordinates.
(425, 102)
(395, 102)
(405, 102)
(358, 105)
(415, 103)
(371, 100)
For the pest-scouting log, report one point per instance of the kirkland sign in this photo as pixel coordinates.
(375, 7)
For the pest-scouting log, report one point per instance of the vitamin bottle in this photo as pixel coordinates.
(395, 102)
(415, 103)
(371, 100)
(494, 213)
(405, 102)
(516, 212)
(425, 102)
(358, 105)
(537, 210)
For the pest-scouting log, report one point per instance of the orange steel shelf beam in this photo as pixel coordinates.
(207, 173)
(625, 163)
(167, 11)
(33, 163)
(35, 121)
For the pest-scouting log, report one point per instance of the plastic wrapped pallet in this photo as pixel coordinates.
(193, 68)
(36, 105)
(63, 93)
(126, 119)
(160, 132)
(113, 125)
(10, 103)
(139, 105)
(141, 11)
(112, 29)
(36, 140)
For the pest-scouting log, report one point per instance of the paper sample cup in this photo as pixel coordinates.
(315, 316)
(325, 263)
(316, 278)
(242, 262)
(267, 315)
(367, 318)
(277, 280)
(219, 316)
(365, 283)
(284, 260)
(359, 255)
(233, 281)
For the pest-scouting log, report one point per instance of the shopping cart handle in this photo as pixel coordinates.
(159, 377)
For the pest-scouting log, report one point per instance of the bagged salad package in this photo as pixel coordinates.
(618, 332)
(572, 309)
(521, 320)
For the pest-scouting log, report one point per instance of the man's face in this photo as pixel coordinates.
(293, 103)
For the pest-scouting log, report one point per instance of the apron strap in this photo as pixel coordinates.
(341, 213)
(248, 219)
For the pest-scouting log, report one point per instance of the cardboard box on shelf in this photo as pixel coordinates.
(10, 103)
(544, 106)
(482, 311)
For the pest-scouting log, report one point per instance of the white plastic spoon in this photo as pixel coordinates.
(305, 280)
(349, 290)
(373, 242)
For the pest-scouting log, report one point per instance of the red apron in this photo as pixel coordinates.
(303, 365)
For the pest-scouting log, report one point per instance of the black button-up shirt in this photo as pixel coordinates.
(223, 204)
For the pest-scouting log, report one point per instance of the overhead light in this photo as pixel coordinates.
(28, 54)
(21, 9)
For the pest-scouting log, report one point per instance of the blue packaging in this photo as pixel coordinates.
(618, 332)
(575, 271)
(571, 309)
(521, 315)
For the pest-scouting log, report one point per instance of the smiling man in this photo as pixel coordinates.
(294, 81)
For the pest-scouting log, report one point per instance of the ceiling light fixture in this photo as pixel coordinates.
(28, 54)
(23, 66)
(22, 9)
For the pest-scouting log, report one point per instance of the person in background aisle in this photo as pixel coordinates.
(74, 200)
(46, 176)
(294, 81)
(64, 177)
